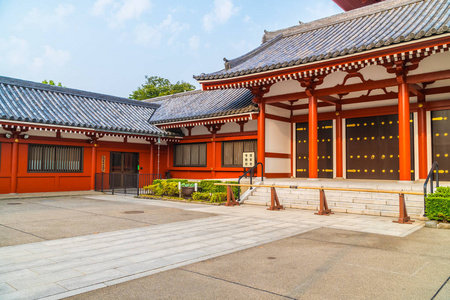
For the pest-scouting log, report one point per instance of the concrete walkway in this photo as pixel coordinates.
(60, 268)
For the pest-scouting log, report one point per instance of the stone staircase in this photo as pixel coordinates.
(377, 204)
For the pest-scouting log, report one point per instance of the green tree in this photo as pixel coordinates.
(155, 86)
(51, 82)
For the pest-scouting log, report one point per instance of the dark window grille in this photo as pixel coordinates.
(49, 158)
(232, 152)
(190, 155)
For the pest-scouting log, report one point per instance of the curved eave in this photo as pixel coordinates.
(436, 40)
(75, 127)
(203, 117)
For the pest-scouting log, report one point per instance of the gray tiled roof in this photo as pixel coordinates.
(202, 104)
(27, 101)
(374, 26)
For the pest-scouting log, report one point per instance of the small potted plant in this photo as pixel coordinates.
(187, 189)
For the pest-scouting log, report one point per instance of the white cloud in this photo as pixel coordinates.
(51, 58)
(194, 42)
(100, 5)
(120, 11)
(48, 20)
(173, 26)
(15, 51)
(246, 19)
(151, 35)
(222, 11)
(147, 35)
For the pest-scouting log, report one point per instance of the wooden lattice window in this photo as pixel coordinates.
(49, 158)
(190, 155)
(232, 152)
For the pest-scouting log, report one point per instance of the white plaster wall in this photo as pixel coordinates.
(438, 97)
(299, 112)
(326, 109)
(333, 79)
(370, 104)
(284, 87)
(2, 131)
(375, 72)
(230, 127)
(277, 165)
(137, 141)
(112, 139)
(273, 110)
(251, 125)
(433, 63)
(184, 131)
(199, 130)
(278, 136)
(66, 135)
(41, 133)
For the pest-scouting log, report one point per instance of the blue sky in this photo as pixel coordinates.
(108, 46)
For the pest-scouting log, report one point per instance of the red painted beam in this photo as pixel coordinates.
(278, 118)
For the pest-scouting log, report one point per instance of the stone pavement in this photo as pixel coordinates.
(60, 268)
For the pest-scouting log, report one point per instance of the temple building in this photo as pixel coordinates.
(359, 95)
(364, 94)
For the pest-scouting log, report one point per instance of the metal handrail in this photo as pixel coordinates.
(251, 177)
(434, 167)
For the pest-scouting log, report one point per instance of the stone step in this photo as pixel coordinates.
(376, 204)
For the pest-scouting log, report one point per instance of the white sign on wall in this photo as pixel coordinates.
(248, 159)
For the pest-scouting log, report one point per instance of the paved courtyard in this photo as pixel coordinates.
(208, 250)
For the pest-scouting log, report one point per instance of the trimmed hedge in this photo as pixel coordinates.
(208, 186)
(438, 204)
(210, 192)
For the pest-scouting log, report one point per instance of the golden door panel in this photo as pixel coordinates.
(372, 148)
(440, 128)
(324, 149)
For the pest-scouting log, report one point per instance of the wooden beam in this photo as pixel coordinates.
(281, 105)
(416, 89)
(329, 99)
(278, 118)
(305, 106)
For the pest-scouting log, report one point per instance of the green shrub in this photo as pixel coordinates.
(177, 180)
(201, 196)
(208, 185)
(163, 188)
(156, 181)
(218, 197)
(151, 189)
(438, 204)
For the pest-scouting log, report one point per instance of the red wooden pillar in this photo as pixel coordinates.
(422, 127)
(339, 158)
(152, 159)
(93, 166)
(262, 133)
(213, 163)
(14, 164)
(312, 122)
(169, 150)
(404, 132)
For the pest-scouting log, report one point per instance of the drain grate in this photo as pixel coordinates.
(132, 212)
(14, 203)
